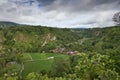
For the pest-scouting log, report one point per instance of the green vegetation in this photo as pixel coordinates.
(39, 62)
(93, 66)
(37, 66)
(44, 53)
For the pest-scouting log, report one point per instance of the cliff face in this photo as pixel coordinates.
(48, 38)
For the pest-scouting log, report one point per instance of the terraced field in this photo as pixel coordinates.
(36, 62)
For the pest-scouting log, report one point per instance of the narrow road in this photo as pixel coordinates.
(21, 70)
(39, 59)
(30, 57)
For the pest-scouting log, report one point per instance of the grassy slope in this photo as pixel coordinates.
(39, 61)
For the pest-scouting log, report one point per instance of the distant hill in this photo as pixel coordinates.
(4, 24)
(47, 39)
(7, 24)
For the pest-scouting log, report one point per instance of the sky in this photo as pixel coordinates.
(60, 13)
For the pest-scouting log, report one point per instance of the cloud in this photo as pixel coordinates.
(60, 13)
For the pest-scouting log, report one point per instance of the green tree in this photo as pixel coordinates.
(60, 67)
(94, 66)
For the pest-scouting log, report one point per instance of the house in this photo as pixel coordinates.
(50, 57)
(72, 52)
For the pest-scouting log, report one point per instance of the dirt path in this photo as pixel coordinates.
(20, 74)
(30, 57)
(39, 59)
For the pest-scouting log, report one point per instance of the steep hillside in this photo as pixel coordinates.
(93, 39)
(39, 39)
(46, 39)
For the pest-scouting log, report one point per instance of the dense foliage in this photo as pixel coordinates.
(97, 58)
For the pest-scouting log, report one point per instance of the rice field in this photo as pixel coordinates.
(37, 62)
